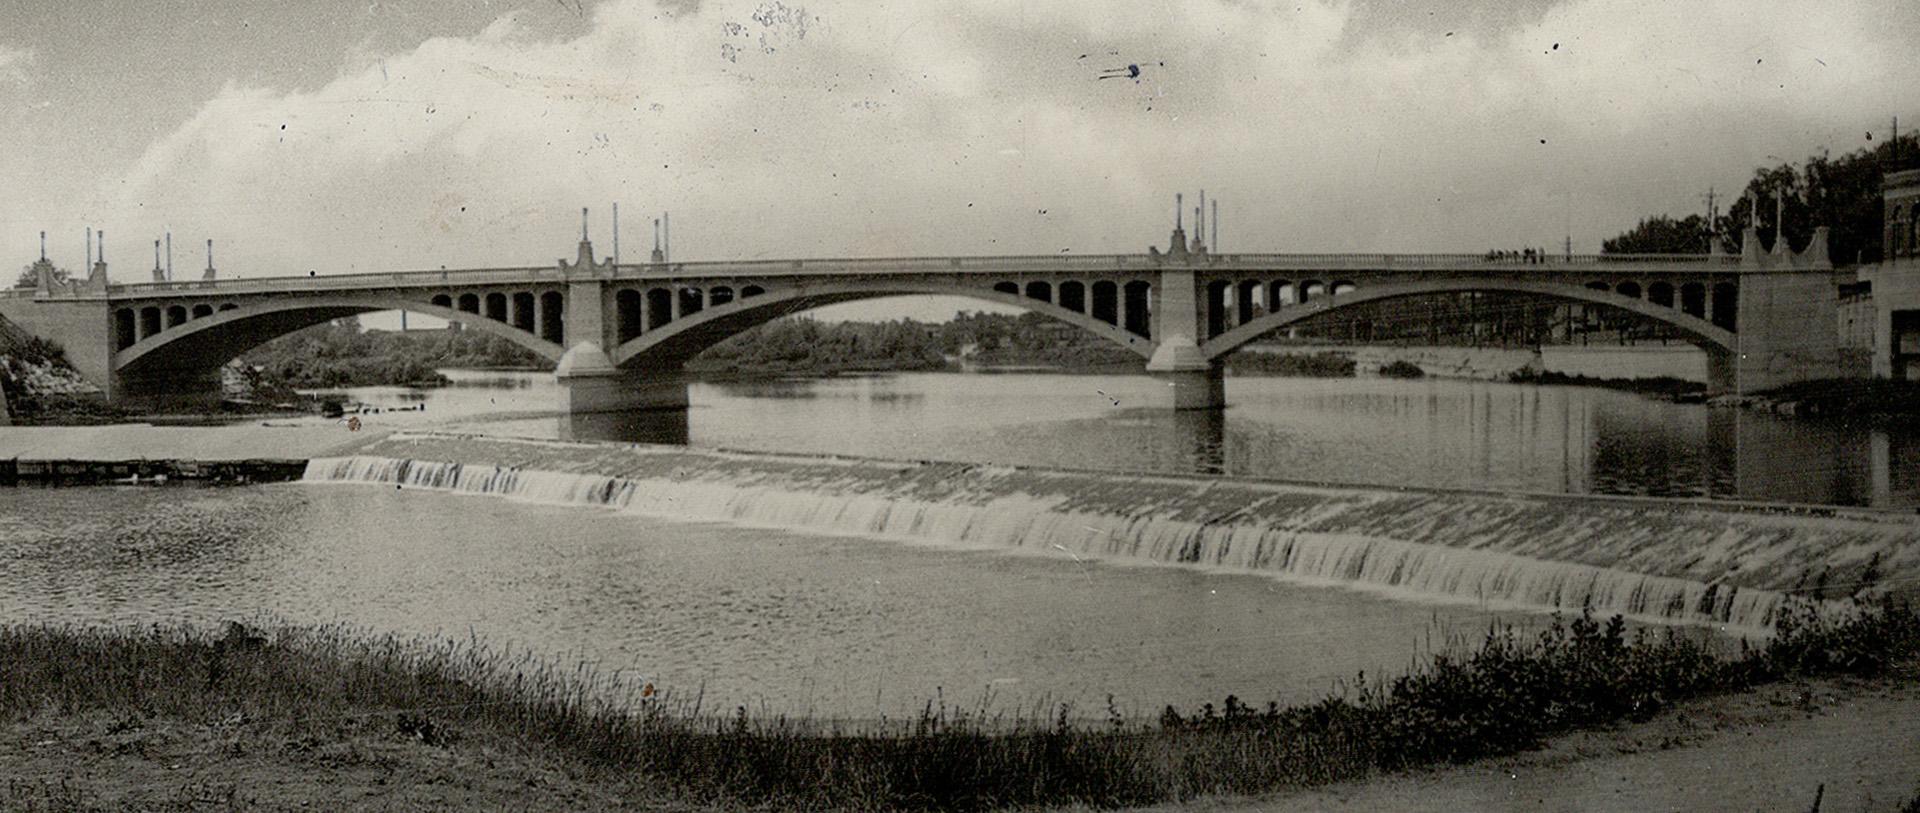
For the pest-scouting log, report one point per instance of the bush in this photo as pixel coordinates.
(1302, 365)
(1401, 368)
(1509, 694)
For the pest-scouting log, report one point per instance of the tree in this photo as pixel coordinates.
(30, 276)
(1662, 235)
(1842, 194)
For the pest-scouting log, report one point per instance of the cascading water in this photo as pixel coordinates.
(1485, 549)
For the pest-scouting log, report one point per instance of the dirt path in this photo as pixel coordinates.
(1769, 750)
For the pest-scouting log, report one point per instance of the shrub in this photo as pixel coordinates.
(1303, 365)
(1508, 694)
(1401, 368)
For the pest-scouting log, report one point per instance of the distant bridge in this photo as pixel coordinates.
(619, 334)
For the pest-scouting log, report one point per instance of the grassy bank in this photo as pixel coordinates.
(291, 694)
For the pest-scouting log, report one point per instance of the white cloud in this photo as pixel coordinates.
(14, 63)
(884, 128)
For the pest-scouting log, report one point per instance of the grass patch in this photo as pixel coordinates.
(1508, 694)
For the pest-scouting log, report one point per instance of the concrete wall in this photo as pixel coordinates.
(83, 328)
(1776, 342)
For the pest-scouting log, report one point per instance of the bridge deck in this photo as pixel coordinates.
(982, 266)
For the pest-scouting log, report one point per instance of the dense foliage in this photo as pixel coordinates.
(1663, 235)
(28, 365)
(1841, 193)
(1401, 368)
(1029, 339)
(802, 345)
(338, 354)
(28, 279)
(810, 346)
(1300, 365)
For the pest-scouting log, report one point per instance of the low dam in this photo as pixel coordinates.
(1731, 565)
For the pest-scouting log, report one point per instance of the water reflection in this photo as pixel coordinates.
(667, 426)
(1439, 433)
(1200, 435)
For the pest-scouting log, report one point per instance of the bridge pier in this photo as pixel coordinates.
(177, 390)
(589, 383)
(1191, 389)
(1191, 380)
(666, 427)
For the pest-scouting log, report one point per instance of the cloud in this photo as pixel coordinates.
(864, 128)
(14, 63)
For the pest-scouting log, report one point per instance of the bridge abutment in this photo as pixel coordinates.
(1777, 344)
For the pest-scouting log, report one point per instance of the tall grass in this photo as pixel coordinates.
(1508, 694)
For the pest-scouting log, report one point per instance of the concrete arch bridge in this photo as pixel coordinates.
(619, 334)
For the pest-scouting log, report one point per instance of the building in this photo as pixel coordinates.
(1894, 283)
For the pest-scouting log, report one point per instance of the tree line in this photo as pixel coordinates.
(1841, 193)
(340, 354)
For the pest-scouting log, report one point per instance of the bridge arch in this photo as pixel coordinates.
(1701, 332)
(213, 340)
(672, 344)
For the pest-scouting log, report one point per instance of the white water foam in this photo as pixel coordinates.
(998, 519)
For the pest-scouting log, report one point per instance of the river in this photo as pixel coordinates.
(1430, 433)
(852, 627)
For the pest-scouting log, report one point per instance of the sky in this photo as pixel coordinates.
(377, 135)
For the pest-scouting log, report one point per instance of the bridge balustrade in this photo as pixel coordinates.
(910, 265)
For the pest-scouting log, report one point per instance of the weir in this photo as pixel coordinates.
(1665, 560)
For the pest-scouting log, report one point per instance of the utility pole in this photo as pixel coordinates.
(1713, 224)
(1567, 224)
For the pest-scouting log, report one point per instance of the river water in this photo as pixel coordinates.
(1375, 431)
(856, 627)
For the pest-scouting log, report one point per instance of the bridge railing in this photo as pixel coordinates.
(1412, 262)
(1027, 264)
(408, 279)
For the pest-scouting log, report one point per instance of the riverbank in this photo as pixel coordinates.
(1845, 741)
(287, 716)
